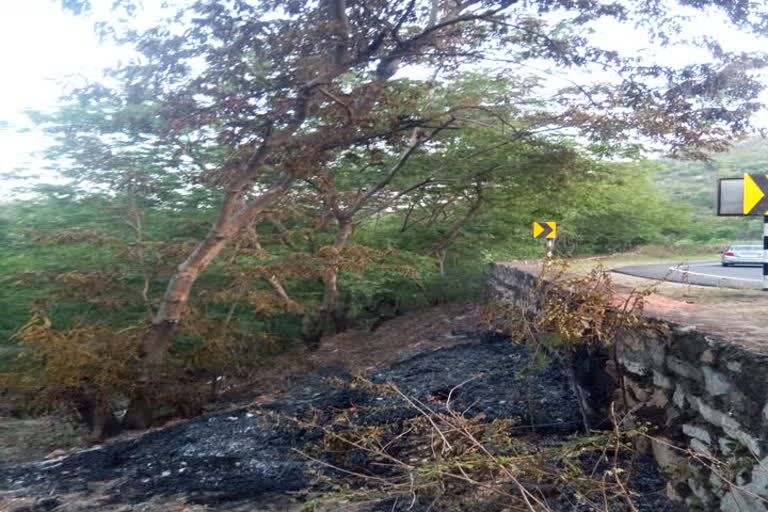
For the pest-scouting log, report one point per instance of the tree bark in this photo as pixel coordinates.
(157, 340)
(329, 318)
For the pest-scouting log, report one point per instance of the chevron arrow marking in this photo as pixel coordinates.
(544, 229)
(755, 194)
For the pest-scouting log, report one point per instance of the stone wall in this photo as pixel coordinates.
(706, 398)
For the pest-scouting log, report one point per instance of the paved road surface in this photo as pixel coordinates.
(704, 274)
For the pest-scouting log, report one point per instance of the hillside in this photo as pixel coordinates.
(694, 184)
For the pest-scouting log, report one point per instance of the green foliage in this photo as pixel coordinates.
(99, 250)
(694, 184)
(622, 211)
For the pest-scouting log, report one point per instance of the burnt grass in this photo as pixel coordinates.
(248, 456)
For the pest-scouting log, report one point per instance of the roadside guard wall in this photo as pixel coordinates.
(706, 398)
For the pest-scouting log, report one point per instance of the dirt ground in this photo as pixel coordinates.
(359, 351)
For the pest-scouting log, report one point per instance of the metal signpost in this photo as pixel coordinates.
(547, 230)
(743, 197)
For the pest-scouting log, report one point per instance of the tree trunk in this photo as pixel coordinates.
(96, 412)
(158, 338)
(329, 317)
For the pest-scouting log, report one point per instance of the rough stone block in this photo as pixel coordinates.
(701, 492)
(660, 398)
(687, 370)
(673, 493)
(716, 383)
(717, 484)
(672, 414)
(697, 432)
(713, 416)
(636, 367)
(727, 445)
(668, 457)
(679, 397)
(753, 444)
(662, 381)
(701, 448)
(639, 392)
(657, 352)
(682, 330)
(737, 500)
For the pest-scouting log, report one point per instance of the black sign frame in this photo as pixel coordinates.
(721, 203)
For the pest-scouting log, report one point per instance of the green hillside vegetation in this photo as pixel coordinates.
(262, 175)
(693, 183)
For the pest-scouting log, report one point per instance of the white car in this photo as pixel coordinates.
(742, 255)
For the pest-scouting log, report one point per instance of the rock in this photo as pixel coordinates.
(765, 412)
(727, 446)
(701, 448)
(679, 397)
(638, 391)
(643, 445)
(662, 381)
(55, 454)
(684, 329)
(668, 457)
(697, 432)
(713, 416)
(754, 445)
(687, 370)
(716, 383)
(636, 367)
(672, 413)
(717, 484)
(659, 399)
(705, 497)
(45, 504)
(673, 492)
(736, 500)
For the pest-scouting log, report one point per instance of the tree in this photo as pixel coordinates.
(277, 88)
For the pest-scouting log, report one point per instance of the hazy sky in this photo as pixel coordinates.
(44, 49)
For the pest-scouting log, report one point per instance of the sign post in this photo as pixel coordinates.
(547, 230)
(765, 253)
(745, 197)
(756, 203)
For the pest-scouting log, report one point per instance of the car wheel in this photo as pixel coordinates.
(726, 264)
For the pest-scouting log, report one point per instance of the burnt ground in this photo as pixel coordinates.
(355, 351)
(246, 459)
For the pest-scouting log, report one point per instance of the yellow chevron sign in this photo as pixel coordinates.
(755, 194)
(544, 229)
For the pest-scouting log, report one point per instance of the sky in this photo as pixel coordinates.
(45, 50)
(41, 47)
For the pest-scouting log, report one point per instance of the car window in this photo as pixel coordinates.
(747, 247)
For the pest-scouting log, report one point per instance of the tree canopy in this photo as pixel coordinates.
(261, 153)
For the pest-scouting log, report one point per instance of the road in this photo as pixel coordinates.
(710, 273)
